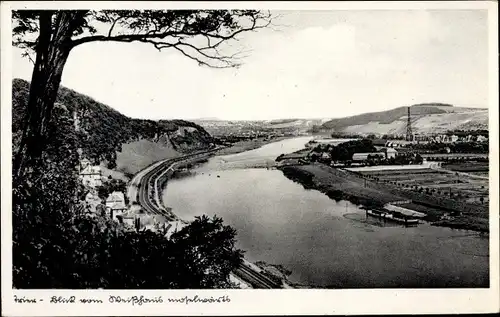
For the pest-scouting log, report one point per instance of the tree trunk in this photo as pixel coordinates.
(52, 51)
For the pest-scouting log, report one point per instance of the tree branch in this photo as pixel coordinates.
(113, 25)
(201, 62)
(155, 30)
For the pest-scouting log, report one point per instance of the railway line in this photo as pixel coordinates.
(254, 278)
(145, 183)
(143, 190)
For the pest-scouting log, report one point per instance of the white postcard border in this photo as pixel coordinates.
(254, 302)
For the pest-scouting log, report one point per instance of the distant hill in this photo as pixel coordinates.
(206, 119)
(107, 135)
(425, 118)
(223, 127)
(300, 124)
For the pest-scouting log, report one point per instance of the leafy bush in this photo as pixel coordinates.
(344, 151)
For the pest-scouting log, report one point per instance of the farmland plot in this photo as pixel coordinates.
(457, 187)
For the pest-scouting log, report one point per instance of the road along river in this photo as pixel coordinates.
(324, 243)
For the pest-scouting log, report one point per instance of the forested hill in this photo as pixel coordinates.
(426, 118)
(102, 131)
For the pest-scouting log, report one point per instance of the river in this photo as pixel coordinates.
(324, 243)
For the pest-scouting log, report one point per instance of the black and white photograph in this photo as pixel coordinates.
(226, 148)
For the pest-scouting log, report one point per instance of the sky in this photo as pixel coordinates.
(312, 64)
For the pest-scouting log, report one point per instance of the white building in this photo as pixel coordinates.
(92, 201)
(142, 221)
(130, 216)
(364, 156)
(174, 226)
(90, 175)
(481, 138)
(115, 204)
(390, 153)
(325, 156)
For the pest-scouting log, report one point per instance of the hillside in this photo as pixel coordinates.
(224, 127)
(425, 118)
(111, 138)
(301, 124)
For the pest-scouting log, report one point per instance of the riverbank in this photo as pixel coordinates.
(340, 185)
(248, 145)
(319, 177)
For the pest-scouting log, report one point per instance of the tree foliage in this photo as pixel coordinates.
(344, 151)
(197, 34)
(95, 252)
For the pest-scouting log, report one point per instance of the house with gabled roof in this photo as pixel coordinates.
(90, 175)
(115, 204)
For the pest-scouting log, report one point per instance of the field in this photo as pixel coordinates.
(137, 155)
(474, 168)
(399, 185)
(440, 183)
(330, 180)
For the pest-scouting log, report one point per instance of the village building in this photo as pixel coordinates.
(136, 219)
(481, 138)
(419, 137)
(155, 223)
(129, 217)
(359, 157)
(326, 156)
(390, 153)
(115, 204)
(90, 175)
(174, 226)
(92, 200)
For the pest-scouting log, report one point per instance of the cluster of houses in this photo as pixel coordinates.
(116, 208)
(92, 178)
(440, 138)
(304, 157)
(444, 138)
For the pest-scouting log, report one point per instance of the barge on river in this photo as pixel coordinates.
(392, 216)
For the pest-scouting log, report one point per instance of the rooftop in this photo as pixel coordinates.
(404, 211)
(115, 197)
(117, 205)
